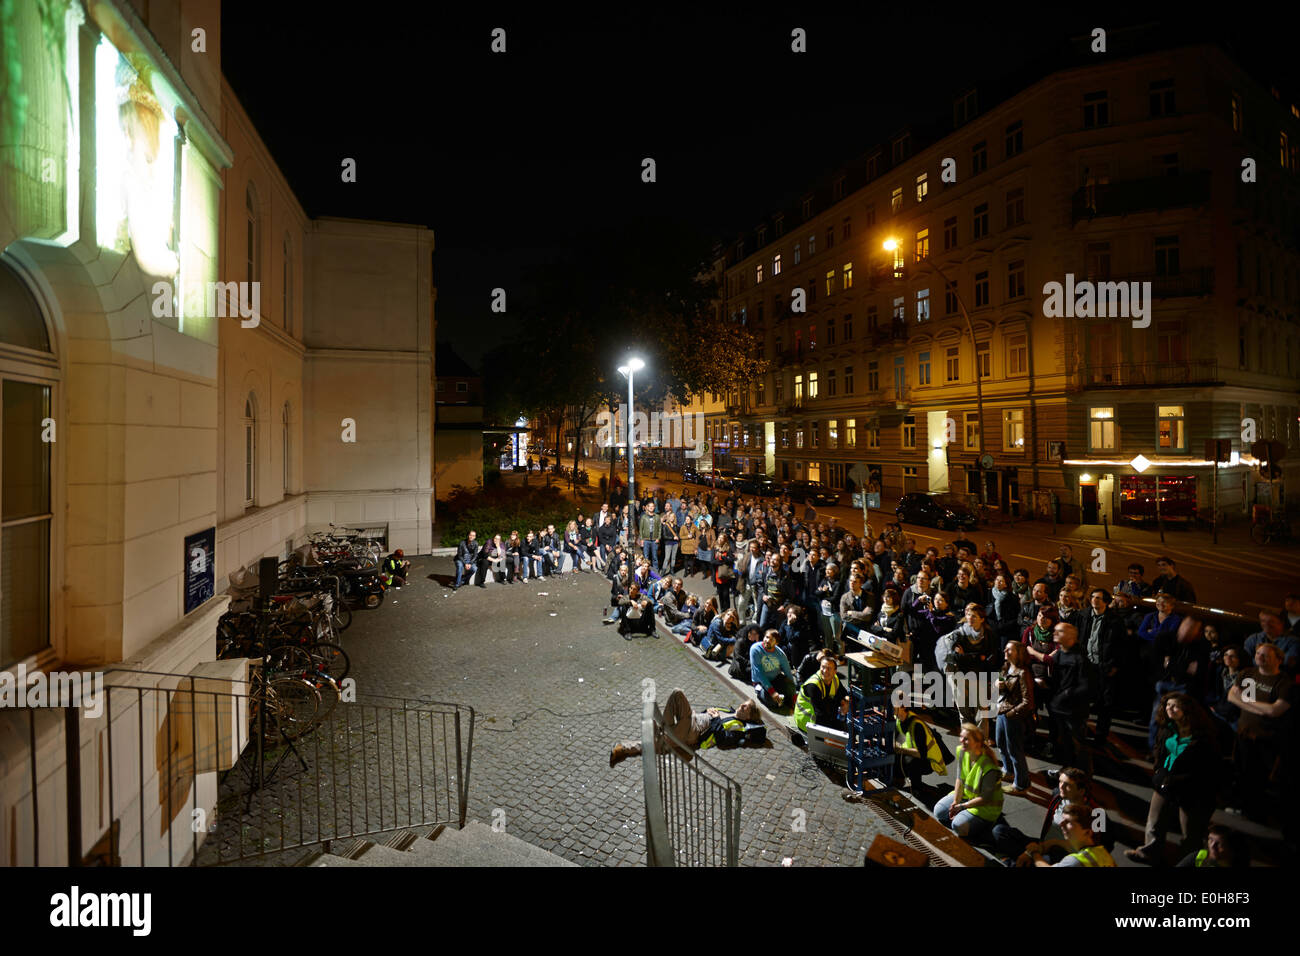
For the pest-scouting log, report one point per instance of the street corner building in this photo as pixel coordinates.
(903, 301)
(194, 375)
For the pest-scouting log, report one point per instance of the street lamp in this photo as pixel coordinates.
(890, 246)
(633, 366)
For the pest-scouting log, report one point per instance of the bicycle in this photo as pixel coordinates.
(1268, 532)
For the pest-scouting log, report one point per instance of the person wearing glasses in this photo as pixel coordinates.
(1134, 586)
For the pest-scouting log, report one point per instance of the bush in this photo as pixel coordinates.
(500, 509)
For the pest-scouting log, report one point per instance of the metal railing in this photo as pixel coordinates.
(692, 808)
(1146, 374)
(1140, 195)
(191, 774)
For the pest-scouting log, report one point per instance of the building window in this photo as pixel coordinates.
(950, 233)
(869, 216)
(1167, 164)
(1016, 279)
(1015, 138)
(898, 261)
(284, 447)
(896, 200)
(909, 431)
(462, 386)
(873, 167)
(830, 281)
(26, 510)
(1170, 433)
(832, 433)
(873, 434)
(1171, 342)
(761, 237)
(1098, 261)
(1162, 98)
(850, 433)
(923, 368)
(812, 245)
(798, 391)
(780, 225)
(982, 363)
(812, 385)
(812, 290)
(981, 289)
(971, 421)
(980, 223)
(1282, 143)
(830, 237)
(1236, 113)
(952, 364)
(949, 298)
(922, 187)
(812, 337)
(873, 320)
(798, 436)
(1015, 206)
(847, 272)
(979, 158)
(1166, 255)
(873, 378)
(847, 231)
(1013, 430)
(816, 435)
(848, 328)
(831, 379)
(1101, 431)
(963, 109)
(798, 252)
(1096, 109)
(830, 331)
(807, 208)
(900, 377)
(776, 264)
(837, 188)
(758, 274)
(1018, 354)
(923, 305)
(785, 436)
(922, 244)
(778, 388)
(250, 450)
(902, 148)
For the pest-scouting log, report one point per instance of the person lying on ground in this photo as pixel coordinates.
(715, 726)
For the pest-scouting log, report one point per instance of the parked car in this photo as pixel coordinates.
(936, 511)
(761, 485)
(721, 478)
(801, 491)
(690, 476)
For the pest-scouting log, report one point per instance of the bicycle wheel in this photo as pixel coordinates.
(342, 618)
(330, 659)
(1259, 533)
(292, 704)
(289, 659)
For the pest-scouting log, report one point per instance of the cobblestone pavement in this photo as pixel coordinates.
(554, 689)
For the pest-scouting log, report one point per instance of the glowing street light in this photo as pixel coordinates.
(634, 365)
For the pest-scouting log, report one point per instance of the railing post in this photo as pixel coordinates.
(659, 851)
(72, 755)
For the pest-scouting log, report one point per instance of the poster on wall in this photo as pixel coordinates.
(200, 565)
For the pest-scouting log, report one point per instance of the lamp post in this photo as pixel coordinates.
(890, 246)
(633, 366)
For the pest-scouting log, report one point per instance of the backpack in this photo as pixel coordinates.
(727, 730)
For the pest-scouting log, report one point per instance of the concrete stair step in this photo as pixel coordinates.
(329, 859)
(479, 846)
(379, 855)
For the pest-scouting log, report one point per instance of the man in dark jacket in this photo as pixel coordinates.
(1029, 610)
(1054, 580)
(1103, 637)
(779, 590)
(1171, 582)
(1075, 686)
(467, 555)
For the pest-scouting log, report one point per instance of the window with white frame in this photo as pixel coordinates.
(1171, 434)
(1013, 430)
(972, 430)
(1101, 429)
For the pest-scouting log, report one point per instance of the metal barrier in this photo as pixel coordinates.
(189, 773)
(692, 808)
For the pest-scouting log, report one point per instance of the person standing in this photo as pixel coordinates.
(1075, 685)
(671, 541)
(1104, 638)
(724, 574)
(1015, 717)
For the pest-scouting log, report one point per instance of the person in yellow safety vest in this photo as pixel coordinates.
(916, 747)
(975, 803)
(822, 698)
(1222, 848)
(1076, 824)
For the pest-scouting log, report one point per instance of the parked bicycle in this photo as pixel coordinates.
(1271, 530)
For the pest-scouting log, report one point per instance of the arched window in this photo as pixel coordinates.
(252, 234)
(287, 285)
(284, 449)
(250, 450)
(27, 443)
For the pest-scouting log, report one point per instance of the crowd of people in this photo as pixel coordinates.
(770, 589)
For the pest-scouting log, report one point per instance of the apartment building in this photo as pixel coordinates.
(884, 292)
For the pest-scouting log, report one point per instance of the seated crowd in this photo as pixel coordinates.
(785, 595)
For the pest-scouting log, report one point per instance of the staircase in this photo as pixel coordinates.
(476, 845)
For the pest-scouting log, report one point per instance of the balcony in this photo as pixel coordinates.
(903, 397)
(1147, 375)
(1194, 282)
(1155, 194)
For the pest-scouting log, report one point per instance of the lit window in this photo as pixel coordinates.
(1096, 109)
(758, 273)
(848, 380)
(776, 264)
(1013, 430)
(798, 391)
(909, 431)
(972, 423)
(952, 364)
(982, 362)
(1018, 354)
(1170, 433)
(1101, 431)
(812, 384)
(830, 281)
(848, 275)
(1016, 279)
(850, 432)
(923, 368)
(922, 244)
(896, 200)
(832, 433)
(923, 305)
(981, 289)
(922, 187)
(812, 245)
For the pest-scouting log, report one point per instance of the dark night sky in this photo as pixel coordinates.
(510, 158)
